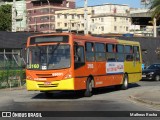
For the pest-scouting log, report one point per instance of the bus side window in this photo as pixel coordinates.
(128, 53)
(100, 53)
(111, 56)
(136, 53)
(79, 60)
(80, 54)
(120, 53)
(89, 47)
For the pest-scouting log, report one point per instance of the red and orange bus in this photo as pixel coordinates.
(66, 61)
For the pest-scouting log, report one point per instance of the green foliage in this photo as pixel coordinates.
(12, 76)
(155, 7)
(6, 17)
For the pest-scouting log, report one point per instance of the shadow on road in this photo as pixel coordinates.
(79, 94)
(60, 95)
(105, 90)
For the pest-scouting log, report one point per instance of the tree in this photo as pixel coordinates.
(155, 7)
(5, 17)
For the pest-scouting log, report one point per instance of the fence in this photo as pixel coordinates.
(12, 72)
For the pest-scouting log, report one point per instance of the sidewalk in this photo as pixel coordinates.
(151, 97)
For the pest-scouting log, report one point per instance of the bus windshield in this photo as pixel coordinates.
(48, 57)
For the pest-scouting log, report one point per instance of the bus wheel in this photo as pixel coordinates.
(48, 94)
(88, 91)
(124, 85)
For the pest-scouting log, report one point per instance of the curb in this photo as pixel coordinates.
(144, 100)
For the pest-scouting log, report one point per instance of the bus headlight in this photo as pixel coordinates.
(29, 78)
(68, 76)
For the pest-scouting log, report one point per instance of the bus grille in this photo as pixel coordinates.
(44, 75)
(51, 85)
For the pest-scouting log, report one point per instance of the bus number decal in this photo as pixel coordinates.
(36, 66)
(90, 66)
(57, 74)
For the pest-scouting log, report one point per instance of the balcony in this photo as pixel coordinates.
(51, 1)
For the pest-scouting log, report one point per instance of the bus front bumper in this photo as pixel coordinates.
(67, 84)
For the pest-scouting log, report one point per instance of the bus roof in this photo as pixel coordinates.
(125, 42)
(92, 38)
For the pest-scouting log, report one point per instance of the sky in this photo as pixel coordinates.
(131, 3)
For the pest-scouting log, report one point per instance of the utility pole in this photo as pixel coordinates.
(14, 16)
(49, 15)
(154, 27)
(85, 18)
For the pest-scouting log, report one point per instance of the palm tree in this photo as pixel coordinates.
(155, 8)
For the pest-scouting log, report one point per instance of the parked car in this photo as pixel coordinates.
(152, 72)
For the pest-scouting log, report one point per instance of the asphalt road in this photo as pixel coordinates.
(106, 99)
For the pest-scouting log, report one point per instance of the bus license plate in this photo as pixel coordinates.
(47, 83)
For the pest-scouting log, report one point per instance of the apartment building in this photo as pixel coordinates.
(40, 13)
(102, 19)
(72, 20)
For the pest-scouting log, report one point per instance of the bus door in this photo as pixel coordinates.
(137, 63)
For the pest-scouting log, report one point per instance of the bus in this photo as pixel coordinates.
(67, 61)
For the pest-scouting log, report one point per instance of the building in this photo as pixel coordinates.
(20, 18)
(40, 13)
(142, 22)
(72, 20)
(102, 19)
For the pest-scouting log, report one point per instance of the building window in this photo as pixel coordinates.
(52, 18)
(102, 28)
(59, 15)
(92, 20)
(52, 10)
(72, 24)
(115, 19)
(58, 24)
(115, 28)
(29, 11)
(78, 16)
(72, 16)
(65, 24)
(45, 10)
(65, 16)
(44, 18)
(126, 28)
(93, 12)
(102, 20)
(52, 27)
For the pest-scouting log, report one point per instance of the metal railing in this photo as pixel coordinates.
(12, 73)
